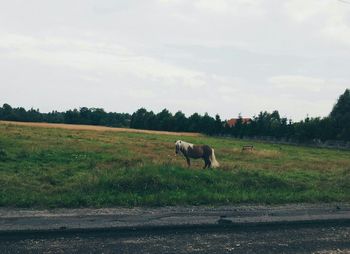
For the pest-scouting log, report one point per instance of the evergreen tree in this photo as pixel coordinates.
(340, 116)
(219, 126)
(180, 121)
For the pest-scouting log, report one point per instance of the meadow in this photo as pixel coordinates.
(62, 167)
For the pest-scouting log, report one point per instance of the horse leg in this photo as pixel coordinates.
(188, 161)
(207, 163)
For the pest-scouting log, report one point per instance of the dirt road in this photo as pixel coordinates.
(325, 238)
(294, 228)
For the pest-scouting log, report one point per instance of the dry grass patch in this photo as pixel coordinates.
(97, 128)
(270, 154)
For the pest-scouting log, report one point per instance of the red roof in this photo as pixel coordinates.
(232, 122)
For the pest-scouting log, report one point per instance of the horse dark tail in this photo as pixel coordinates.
(214, 162)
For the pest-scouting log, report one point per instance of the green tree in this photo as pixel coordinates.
(7, 113)
(207, 124)
(194, 123)
(137, 119)
(340, 116)
(180, 121)
(219, 126)
(165, 120)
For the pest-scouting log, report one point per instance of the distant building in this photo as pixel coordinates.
(232, 122)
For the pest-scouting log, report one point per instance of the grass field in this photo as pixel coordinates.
(62, 167)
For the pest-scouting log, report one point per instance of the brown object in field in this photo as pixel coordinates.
(248, 148)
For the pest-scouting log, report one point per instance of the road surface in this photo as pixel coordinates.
(303, 238)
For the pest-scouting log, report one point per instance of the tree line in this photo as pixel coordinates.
(336, 126)
(90, 116)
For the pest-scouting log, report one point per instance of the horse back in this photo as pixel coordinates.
(199, 151)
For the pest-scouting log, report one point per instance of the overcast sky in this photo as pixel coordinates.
(215, 56)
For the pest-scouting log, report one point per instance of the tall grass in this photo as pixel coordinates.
(68, 168)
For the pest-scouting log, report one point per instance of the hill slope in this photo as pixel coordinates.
(58, 167)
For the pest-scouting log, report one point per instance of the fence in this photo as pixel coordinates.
(334, 144)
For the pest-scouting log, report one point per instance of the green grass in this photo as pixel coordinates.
(44, 167)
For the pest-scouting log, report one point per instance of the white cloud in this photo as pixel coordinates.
(316, 88)
(229, 7)
(300, 83)
(218, 56)
(302, 11)
(142, 93)
(220, 6)
(328, 18)
(98, 57)
(337, 30)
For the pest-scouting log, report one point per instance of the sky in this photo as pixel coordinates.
(225, 56)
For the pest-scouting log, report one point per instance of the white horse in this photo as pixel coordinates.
(197, 151)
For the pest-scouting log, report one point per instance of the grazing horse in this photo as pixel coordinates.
(197, 151)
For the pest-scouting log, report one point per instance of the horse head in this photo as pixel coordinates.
(178, 146)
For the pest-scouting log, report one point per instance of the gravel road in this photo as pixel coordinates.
(326, 238)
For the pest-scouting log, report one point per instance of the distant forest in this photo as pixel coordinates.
(336, 126)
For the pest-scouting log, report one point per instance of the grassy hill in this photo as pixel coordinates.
(42, 166)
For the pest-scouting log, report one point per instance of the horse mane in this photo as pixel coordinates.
(183, 144)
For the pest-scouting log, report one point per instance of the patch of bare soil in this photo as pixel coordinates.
(96, 128)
